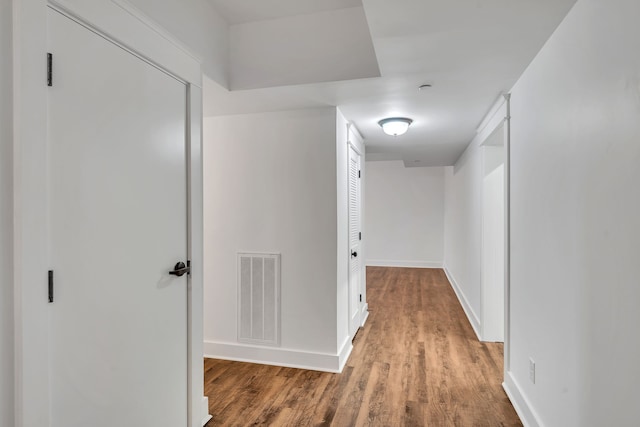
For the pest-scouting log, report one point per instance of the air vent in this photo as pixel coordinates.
(259, 298)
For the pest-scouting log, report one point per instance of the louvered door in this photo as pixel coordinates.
(355, 239)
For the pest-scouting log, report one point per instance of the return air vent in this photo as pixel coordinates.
(259, 298)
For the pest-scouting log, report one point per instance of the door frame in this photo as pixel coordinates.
(500, 115)
(356, 148)
(485, 293)
(120, 22)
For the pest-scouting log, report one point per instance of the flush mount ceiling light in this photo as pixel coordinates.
(395, 126)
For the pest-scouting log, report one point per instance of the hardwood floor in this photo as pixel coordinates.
(416, 362)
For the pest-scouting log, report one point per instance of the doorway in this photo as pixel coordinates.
(493, 237)
(355, 240)
(118, 229)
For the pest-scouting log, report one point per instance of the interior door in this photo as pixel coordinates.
(118, 221)
(355, 239)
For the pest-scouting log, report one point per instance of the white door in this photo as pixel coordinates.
(118, 220)
(355, 238)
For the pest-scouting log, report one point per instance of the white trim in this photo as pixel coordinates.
(126, 25)
(471, 315)
(495, 127)
(139, 15)
(406, 264)
(357, 142)
(353, 145)
(344, 353)
(507, 236)
(196, 249)
(365, 314)
(496, 112)
(520, 403)
(205, 413)
(274, 356)
(356, 131)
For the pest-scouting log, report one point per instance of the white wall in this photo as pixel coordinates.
(6, 215)
(404, 215)
(575, 223)
(463, 229)
(270, 186)
(199, 26)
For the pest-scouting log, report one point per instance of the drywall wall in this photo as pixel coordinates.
(199, 27)
(6, 219)
(575, 227)
(463, 230)
(270, 186)
(404, 215)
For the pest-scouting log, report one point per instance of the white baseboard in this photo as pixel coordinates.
(400, 263)
(520, 403)
(345, 352)
(471, 315)
(205, 410)
(275, 356)
(364, 315)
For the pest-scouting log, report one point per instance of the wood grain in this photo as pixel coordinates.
(416, 362)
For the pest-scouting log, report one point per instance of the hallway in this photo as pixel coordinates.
(416, 362)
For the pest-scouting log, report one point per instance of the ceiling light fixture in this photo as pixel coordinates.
(395, 126)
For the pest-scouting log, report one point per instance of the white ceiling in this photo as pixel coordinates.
(242, 11)
(471, 51)
(320, 47)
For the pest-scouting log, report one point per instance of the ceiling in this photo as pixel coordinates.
(243, 11)
(470, 51)
(330, 45)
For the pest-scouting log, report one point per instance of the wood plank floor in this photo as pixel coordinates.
(416, 362)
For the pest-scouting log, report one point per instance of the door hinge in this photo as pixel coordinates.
(360, 297)
(358, 174)
(50, 282)
(360, 235)
(49, 69)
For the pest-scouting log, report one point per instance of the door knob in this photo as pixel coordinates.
(354, 254)
(180, 269)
